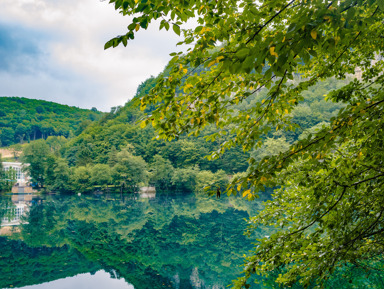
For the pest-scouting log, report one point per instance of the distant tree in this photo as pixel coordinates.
(184, 179)
(20, 132)
(80, 179)
(101, 175)
(62, 174)
(39, 109)
(129, 171)
(161, 171)
(7, 136)
(271, 147)
(36, 155)
(84, 154)
(82, 126)
(207, 180)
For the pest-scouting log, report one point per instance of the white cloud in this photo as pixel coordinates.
(75, 60)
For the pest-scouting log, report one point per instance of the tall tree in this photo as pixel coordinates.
(329, 205)
(36, 156)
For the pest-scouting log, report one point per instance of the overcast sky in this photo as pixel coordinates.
(54, 50)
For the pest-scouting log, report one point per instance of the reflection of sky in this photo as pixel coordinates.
(100, 280)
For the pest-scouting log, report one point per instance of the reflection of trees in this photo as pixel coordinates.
(146, 241)
(168, 242)
(21, 265)
(6, 209)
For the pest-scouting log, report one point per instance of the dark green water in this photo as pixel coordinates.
(125, 242)
(109, 241)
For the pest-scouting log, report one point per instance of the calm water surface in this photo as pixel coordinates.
(113, 241)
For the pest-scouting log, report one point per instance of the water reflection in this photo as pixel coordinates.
(12, 210)
(157, 242)
(100, 279)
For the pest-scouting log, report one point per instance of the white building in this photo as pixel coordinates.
(21, 177)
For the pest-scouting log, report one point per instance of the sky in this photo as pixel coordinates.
(54, 50)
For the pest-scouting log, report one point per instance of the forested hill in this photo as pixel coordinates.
(117, 151)
(23, 119)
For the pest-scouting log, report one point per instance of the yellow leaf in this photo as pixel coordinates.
(219, 58)
(248, 117)
(247, 192)
(359, 155)
(211, 63)
(137, 27)
(239, 187)
(263, 179)
(187, 86)
(143, 124)
(314, 34)
(272, 51)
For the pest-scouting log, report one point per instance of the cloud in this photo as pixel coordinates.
(19, 52)
(53, 50)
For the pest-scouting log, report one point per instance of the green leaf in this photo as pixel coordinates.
(381, 4)
(242, 53)
(176, 29)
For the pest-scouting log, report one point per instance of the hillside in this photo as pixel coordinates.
(117, 151)
(23, 119)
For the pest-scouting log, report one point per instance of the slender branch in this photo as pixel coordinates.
(325, 213)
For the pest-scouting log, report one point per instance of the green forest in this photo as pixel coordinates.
(23, 119)
(281, 100)
(117, 153)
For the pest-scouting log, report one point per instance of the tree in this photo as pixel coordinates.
(161, 172)
(62, 175)
(204, 179)
(329, 202)
(7, 178)
(101, 175)
(80, 179)
(36, 155)
(7, 136)
(129, 171)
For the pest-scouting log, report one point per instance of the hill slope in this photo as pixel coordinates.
(23, 119)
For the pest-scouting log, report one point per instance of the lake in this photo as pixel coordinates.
(100, 241)
(122, 241)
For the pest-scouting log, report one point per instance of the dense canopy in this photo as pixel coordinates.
(328, 203)
(23, 119)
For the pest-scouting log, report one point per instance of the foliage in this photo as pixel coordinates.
(101, 175)
(161, 172)
(207, 179)
(129, 171)
(24, 119)
(328, 204)
(6, 178)
(81, 179)
(36, 155)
